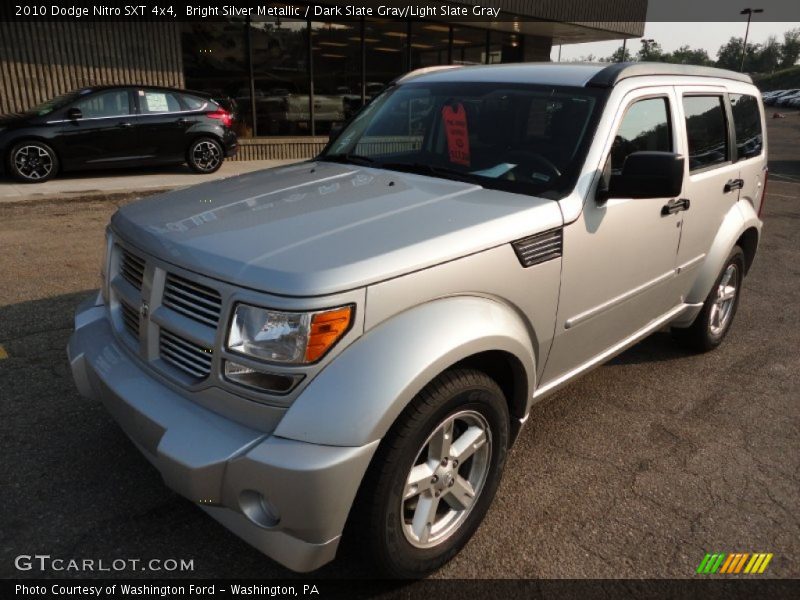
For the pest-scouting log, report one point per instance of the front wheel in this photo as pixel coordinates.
(32, 162)
(435, 475)
(715, 319)
(205, 155)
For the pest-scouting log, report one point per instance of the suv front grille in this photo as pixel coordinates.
(192, 300)
(130, 319)
(187, 356)
(132, 269)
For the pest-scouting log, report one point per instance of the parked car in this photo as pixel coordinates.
(117, 126)
(358, 339)
(784, 99)
(772, 100)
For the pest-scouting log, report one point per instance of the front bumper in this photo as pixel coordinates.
(287, 498)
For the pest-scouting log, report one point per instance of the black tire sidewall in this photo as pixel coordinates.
(190, 153)
(397, 556)
(12, 169)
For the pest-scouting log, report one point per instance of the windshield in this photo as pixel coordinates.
(521, 138)
(45, 108)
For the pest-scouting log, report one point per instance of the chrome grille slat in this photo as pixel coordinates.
(132, 268)
(539, 248)
(192, 300)
(130, 319)
(185, 355)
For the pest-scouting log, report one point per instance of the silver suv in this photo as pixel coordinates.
(353, 343)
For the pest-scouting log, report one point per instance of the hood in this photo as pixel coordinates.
(317, 228)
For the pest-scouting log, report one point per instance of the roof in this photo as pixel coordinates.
(601, 75)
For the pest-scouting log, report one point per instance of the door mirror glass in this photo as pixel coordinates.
(647, 174)
(74, 114)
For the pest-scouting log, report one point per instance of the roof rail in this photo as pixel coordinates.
(424, 71)
(613, 74)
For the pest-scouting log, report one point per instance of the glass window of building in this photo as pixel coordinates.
(469, 46)
(386, 53)
(215, 62)
(279, 49)
(336, 50)
(505, 47)
(429, 44)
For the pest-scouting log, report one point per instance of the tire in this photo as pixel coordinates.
(205, 155)
(398, 539)
(32, 161)
(715, 319)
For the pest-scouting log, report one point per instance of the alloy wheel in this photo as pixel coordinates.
(722, 309)
(206, 155)
(33, 162)
(446, 479)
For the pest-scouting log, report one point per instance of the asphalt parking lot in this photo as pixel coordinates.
(636, 470)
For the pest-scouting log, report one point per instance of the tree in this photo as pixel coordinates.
(768, 56)
(650, 51)
(687, 56)
(790, 50)
(729, 56)
(620, 55)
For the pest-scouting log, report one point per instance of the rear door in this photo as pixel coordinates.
(162, 125)
(712, 181)
(750, 146)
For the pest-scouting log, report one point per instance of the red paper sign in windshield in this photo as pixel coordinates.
(455, 127)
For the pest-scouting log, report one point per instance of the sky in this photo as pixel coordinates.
(671, 36)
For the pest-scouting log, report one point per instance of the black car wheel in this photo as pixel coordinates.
(32, 162)
(434, 475)
(205, 155)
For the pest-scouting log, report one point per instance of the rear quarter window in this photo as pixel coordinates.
(747, 124)
(194, 102)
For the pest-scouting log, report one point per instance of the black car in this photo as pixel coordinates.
(117, 126)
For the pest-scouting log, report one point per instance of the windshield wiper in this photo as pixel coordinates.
(355, 159)
(436, 171)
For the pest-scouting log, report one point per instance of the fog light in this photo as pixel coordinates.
(259, 380)
(258, 509)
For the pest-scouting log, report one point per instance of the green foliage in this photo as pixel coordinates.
(785, 79)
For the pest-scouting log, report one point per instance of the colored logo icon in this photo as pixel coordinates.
(731, 564)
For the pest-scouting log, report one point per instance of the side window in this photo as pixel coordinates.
(747, 123)
(156, 101)
(707, 131)
(113, 103)
(194, 102)
(645, 126)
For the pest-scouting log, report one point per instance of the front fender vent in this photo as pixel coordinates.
(539, 248)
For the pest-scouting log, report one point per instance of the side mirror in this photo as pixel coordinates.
(647, 174)
(73, 114)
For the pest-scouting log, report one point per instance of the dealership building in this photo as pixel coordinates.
(291, 78)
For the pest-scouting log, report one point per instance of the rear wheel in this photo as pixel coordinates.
(32, 162)
(205, 155)
(435, 475)
(719, 309)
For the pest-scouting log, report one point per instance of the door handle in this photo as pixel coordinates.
(734, 184)
(674, 206)
(125, 124)
(183, 121)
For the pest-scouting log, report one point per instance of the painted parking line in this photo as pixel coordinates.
(3, 353)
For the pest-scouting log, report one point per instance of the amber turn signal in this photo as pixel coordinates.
(326, 329)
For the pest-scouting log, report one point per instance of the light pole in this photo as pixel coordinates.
(749, 12)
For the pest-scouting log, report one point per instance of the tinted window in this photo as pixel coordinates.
(747, 123)
(104, 104)
(156, 101)
(194, 102)
(707, 131)
(646, 126)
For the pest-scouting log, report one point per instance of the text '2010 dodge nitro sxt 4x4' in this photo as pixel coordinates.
(352, 343)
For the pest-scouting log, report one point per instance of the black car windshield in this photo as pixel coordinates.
(45, 108)
(521, 138)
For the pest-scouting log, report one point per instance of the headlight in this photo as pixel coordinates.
(287, 337)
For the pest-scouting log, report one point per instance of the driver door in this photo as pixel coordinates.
(619, 256)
